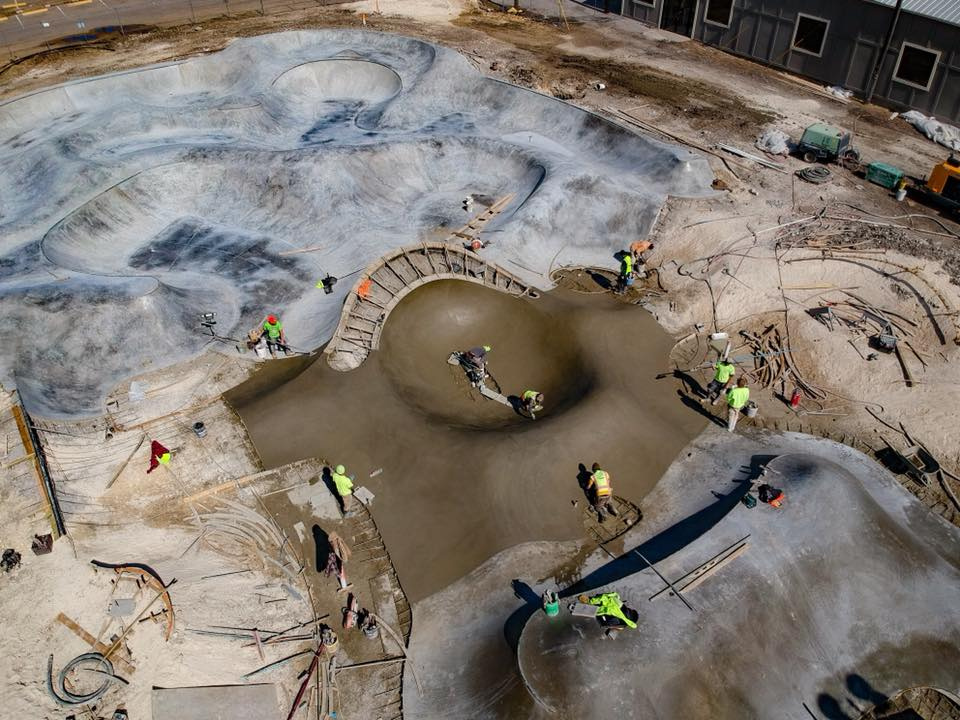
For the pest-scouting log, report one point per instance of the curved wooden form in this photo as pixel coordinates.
(391, 278)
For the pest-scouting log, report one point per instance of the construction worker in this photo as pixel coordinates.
(531, 402)
(626, 272)
(476, 363)
(344, 485)
(273, 332)
(724, 371)
(602, 497)
(611, 612)
(737, 398)
(639, 252)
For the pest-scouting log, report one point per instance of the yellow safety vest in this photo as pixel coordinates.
(602, 480)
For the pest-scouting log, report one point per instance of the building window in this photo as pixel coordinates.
(916, 66)
(810, 34)
(719, 12)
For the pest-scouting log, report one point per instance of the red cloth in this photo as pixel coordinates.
(156, 451)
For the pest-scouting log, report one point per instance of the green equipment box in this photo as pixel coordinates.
(884, 175)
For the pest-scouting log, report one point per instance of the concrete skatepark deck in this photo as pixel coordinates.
(135, 201)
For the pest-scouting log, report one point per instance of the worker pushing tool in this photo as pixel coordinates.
(475, 363)
(602, 495)
(737, 399)
(724, 372)
(531, 402)
(344, 485)
(612, 613)
(274, 334)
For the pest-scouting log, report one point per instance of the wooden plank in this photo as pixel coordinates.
(82, 634)
(716, 566)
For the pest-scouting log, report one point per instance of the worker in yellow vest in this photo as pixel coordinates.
(612, 613)
(724, 371)
(531, 402)
(602, 498)
(344, 485)
(626, 273)
(737, 399)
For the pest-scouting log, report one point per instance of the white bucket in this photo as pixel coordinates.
(752, 409)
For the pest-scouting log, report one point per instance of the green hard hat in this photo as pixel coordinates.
(340, 469)
(487, 348)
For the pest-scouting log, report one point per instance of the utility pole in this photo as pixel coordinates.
(878, 66)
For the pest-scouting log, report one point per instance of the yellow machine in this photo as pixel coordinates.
(943, 186)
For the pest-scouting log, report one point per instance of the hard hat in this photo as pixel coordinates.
(340, 469)
(487, 348)
(271, 318)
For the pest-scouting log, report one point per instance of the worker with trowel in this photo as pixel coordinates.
(724, 371)
(612, 613)
(344, 485)
(531, 402)
(602, 496)
(737, 399)
(475, 360)
(274, 335)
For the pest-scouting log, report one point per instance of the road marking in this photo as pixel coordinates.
(61, 10)
(78, 2)
(13, 5)
(34, 12)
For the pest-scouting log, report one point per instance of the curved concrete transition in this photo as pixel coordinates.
(135, 201)
(845, 596)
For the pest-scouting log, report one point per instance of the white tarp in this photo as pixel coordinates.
(946, 135)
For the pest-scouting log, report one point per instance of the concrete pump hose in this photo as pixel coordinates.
(66, 697)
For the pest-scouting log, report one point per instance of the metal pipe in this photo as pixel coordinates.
(875, 75)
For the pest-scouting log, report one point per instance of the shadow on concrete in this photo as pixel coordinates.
(690, 384)
(322, 547)
(326, 476)
(524, 591)
(657, 548)
(694, 404)
(583, 478)
(860, 688)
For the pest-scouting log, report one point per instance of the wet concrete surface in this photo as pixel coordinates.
(464, 477)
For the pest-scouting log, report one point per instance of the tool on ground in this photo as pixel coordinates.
(771, 495)
(42, 544)
(11, 558)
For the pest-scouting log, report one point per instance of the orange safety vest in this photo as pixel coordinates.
(602, 480)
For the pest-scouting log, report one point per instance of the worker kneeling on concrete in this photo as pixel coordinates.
(602, 497)
(639, 251)
(274, 335)
(611, 612)
(737, 399)
(626, 273)
(531, 402)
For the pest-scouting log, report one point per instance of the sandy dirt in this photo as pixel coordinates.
(479, 476)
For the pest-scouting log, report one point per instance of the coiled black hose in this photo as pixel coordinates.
(66, 697)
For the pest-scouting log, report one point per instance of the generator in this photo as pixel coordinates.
(884, 175)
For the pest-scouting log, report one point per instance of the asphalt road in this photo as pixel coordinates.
(37, 25)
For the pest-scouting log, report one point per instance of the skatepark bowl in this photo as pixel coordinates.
(134, 202)
(479, 475)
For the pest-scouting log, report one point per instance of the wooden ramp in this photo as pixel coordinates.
(391, 278)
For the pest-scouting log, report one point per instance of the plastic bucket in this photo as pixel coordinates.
(200, 429)
(752, 409)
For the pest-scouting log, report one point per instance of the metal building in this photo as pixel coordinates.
(902, 53)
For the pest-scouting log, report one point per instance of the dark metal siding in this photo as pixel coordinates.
(763, 30)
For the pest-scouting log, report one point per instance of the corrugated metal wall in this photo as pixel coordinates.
(764, 29)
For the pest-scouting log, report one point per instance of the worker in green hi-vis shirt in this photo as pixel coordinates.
(737, 399)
